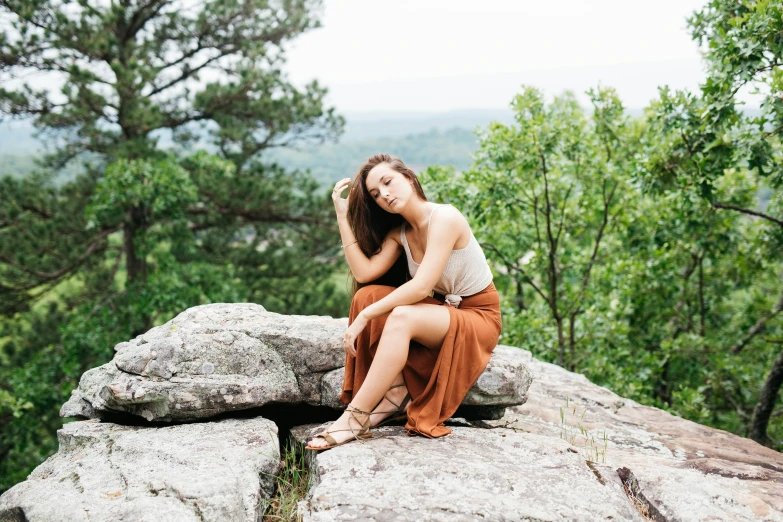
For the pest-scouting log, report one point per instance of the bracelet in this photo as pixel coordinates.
(349, 244)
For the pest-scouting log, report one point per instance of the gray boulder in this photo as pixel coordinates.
(197, 472)
(549, 460)
(678, 469)
(217, 358)
(471, 474)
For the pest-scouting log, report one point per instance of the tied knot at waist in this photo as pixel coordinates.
(449, 299)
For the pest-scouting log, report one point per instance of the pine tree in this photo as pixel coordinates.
(145, 232)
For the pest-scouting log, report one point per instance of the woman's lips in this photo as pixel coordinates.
(392, 202)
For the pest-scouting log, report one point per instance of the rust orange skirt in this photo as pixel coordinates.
(439, 379)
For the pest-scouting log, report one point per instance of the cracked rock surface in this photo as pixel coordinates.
(471, 474)
(530, 465)
(199, 472)
(685, 470)
(216, 358)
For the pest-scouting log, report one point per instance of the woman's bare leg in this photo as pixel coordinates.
(424, 323)
(390, 400)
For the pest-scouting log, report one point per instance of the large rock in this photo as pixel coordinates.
(534, 464)
(197, 472)
(680, 469)
(216, 358)
(471, 474)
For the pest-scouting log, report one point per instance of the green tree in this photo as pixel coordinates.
(143, 234)
(700, 142)
(547, 194)
(131, 68)
(611, 268)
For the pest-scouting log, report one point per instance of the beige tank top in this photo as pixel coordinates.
(466, 273)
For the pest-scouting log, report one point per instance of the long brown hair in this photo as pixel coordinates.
(370, 223)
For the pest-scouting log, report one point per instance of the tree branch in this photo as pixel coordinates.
(517, 268)
(59, 273)
(563, 213)
(767, 397)
(718, 204)
(759, 327)
(599, 236)
(139, 19)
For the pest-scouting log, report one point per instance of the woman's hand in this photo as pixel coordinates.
(340, 204)
(353, 331)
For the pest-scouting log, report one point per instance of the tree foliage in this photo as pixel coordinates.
(615, 264)
(142, 233)
(709, 142)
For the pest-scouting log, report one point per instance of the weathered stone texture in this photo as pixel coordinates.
(217, 358)
(530, 465)
(103, 472)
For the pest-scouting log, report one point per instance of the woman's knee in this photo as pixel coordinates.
(400, 318)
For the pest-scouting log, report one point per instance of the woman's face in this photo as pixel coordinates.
(388, 188)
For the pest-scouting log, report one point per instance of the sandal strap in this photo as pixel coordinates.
(388, 399)
(365, 426)
(405, 401)
(400, 407)
(351, 408)
(328, 438)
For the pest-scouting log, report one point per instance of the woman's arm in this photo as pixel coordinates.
(366, 269)
(442, 236)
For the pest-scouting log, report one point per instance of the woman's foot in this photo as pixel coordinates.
(389, 404)
(340, 429)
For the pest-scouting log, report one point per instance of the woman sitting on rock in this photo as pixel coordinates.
(409, 355)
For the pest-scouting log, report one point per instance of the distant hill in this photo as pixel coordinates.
(16, 137)
(330, 162)
(420, 139)
(370, 125)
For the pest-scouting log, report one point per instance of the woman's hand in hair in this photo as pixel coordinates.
(353, 331)
(340, 204)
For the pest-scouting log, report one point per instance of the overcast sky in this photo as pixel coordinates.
(439, 55)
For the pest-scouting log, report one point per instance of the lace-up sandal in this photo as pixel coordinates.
(398, 414)
(360, 434)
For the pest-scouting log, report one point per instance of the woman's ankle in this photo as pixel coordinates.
(357, 413)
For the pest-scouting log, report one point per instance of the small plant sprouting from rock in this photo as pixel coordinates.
(292, 483)
(573, 432)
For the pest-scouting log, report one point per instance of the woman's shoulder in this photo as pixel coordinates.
(451, 216)
(449, 209)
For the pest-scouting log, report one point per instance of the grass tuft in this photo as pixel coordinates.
(292, 484)
(573, 432)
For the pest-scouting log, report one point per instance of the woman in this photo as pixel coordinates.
(408, 354)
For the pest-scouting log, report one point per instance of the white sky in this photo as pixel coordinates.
(438, 55)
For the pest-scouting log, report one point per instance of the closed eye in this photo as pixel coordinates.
(377, 193)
